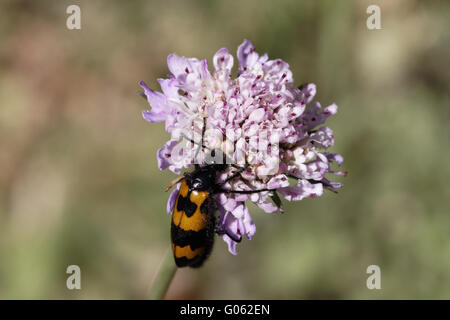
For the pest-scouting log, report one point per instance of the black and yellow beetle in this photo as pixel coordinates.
(193, 218)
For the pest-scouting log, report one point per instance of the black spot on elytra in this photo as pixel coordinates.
(185, 205)
(182, 238)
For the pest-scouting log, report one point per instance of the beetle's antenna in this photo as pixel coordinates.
(243, 191)
(236, 174)
(174, 182)
(194, 142)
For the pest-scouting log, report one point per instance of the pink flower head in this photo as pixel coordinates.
(259, 119)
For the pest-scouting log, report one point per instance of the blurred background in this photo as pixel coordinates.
(79, 182)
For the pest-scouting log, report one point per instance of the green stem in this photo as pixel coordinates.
(163, 277)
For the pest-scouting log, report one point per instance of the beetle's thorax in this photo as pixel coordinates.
(203, 178)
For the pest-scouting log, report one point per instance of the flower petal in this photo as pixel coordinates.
(268, 207)
(257, 115)
(309, 91)
(169, 87)
(172, 156)
(323, 138)
(301, 190)
(231, 244)
(158, 102)
(178, 66)
(246, 54)
(278, 181)
(335, 157)
(223, 60)
(172, 199)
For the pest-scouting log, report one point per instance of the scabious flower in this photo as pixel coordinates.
(258, 118)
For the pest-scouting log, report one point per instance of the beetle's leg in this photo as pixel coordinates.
(239, 167)
(221, 232)
(236, 174)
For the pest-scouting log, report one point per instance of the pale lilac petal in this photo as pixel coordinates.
(227, 202)
(172, 199)
(165, 155)
(331, 109)
(279, 181)
(328, 183)
(240, 185)
(153, 116)
(323, 138)
(171, 157)
(178, 66)
(278, 71)
(269, 167)
(338, 173)
(314, 170)
(248, 226)
(246, 54)
(223, 60)
(231, 244)
(309, 90)
(237, 223)
(335, 157)
(301, 190)
(268, 207)
(257, 115)
(158, 102)
(315, 116)
(169, 87)
(205, 69)
(229, 224)
(244, 223)
(230, 204)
